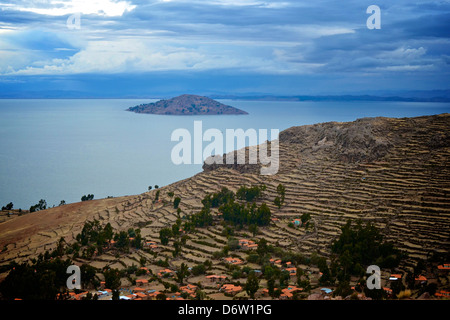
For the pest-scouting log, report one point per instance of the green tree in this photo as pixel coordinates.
(271, 287)
(362, 245)
(112, 278)
(108, 232)
(346, 264)
(200, 295)
(115, 295)
(176, 202)
(277, 202)
(249, 194)
(59, 251)
(41, 205)
(281, 190)
(176, 228)
(122, 240)
(161, 296)
(39, 280)
(284, 278)
(182, 273)
(263, 248)
(252, 284)
(176, 248)
(87, 197)
(9, 206)
(164, 235)
(270, 272)
(375, 294)
(198, 269)
(343, 289)
(253, 228)
(263, 214)
(323, 267)
(88, 275)
(137, 241)
(305, 217)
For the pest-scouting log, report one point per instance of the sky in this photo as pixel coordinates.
(127, 48)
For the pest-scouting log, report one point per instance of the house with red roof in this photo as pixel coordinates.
(235, 261)
(166, 273)
(231, 289)
(151, 245)
(292, 271)
(141, 296)
(189, 289)
(288, 293)
(444, 268)
(395, 277)
(420, 280)
(276, 262)
(152, 295)
(442, 293)
(246, 244)
(141, 282)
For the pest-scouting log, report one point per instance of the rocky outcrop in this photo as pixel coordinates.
(187, 104)
(362, 141)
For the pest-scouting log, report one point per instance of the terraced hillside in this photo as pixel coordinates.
(393, 172)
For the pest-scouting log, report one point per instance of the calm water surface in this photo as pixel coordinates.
(63, 149)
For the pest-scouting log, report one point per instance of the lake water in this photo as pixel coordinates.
(64, 149)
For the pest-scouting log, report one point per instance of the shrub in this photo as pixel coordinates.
(176, 202)
(198, 269)
(87, 197)
(405, 294)
(249, 194)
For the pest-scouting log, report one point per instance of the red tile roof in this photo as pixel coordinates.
(445, 266)
(420, 278)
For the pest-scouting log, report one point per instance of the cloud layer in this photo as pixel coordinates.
(302, 38)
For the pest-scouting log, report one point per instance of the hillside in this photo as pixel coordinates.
(186, 105)
(391, 172)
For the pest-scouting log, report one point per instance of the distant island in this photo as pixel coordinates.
(186, 104)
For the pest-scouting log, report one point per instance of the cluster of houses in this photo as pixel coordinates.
(442, 293)
(139, 293)
(422, 280)
(287, 266)
(166, 273)
(247, 244)
(151, 245)
(188, 291)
